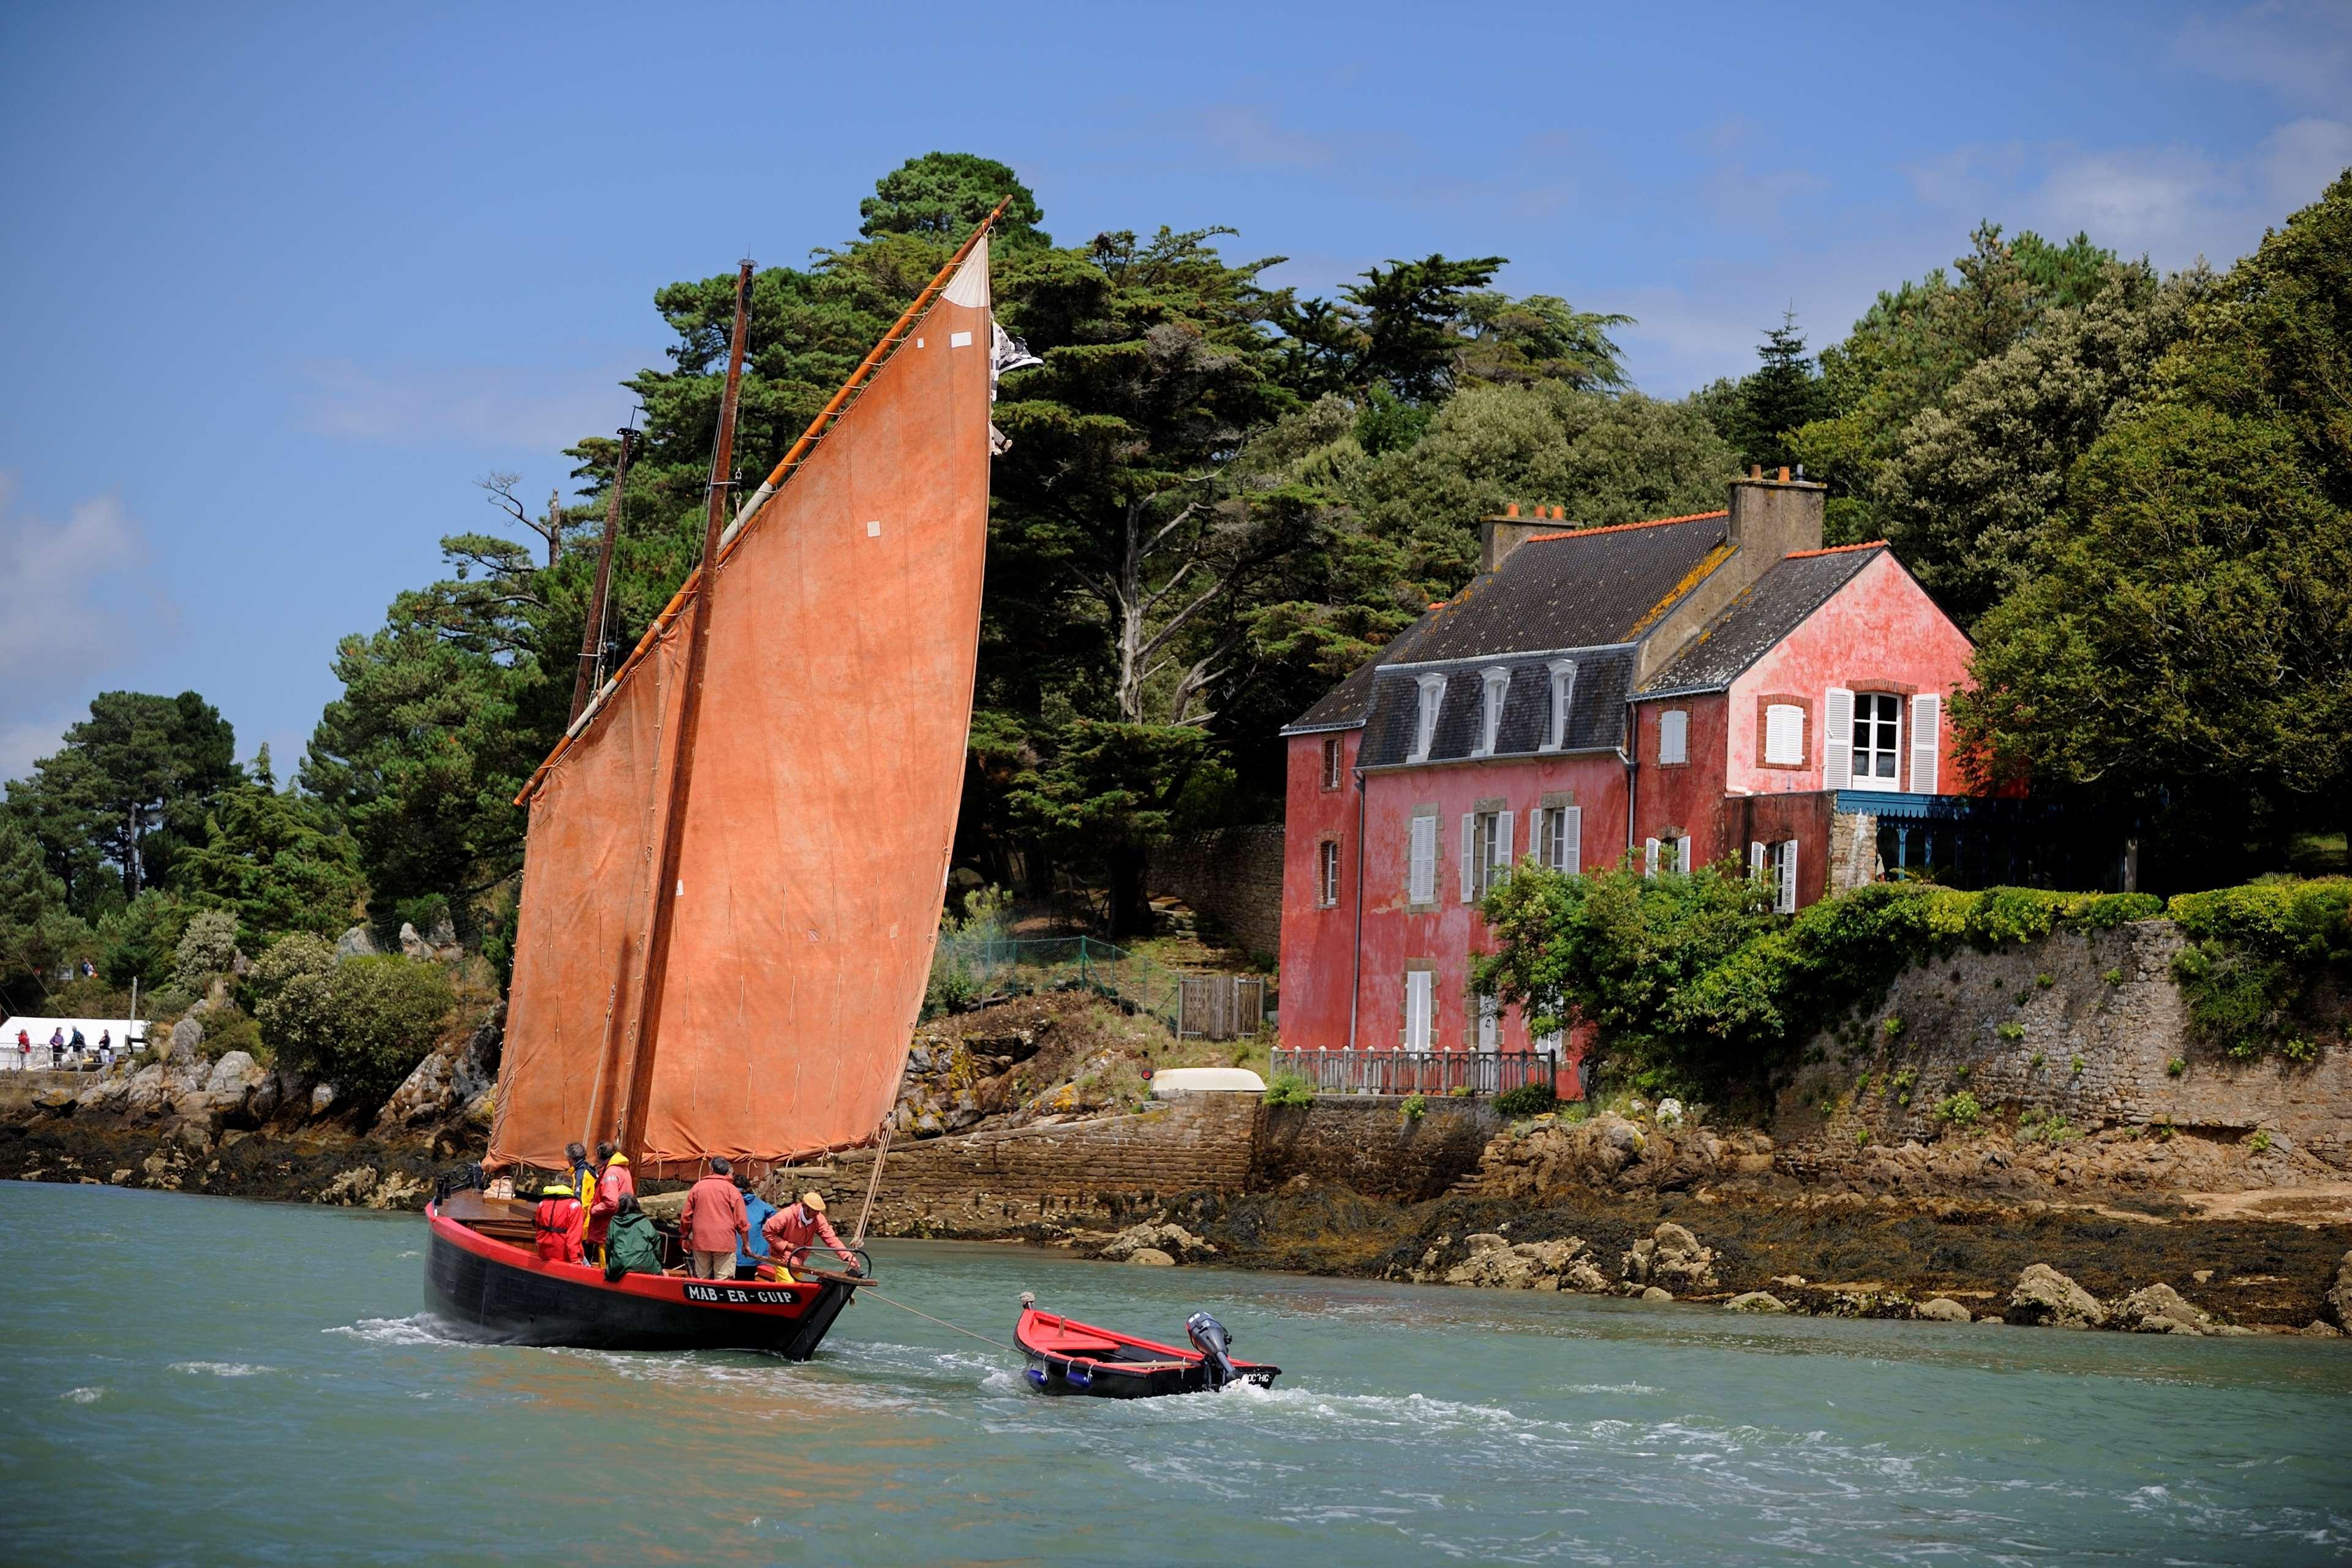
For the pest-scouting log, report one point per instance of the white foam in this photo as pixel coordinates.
(82, 1396)
(222, 1368)
(423, 1329)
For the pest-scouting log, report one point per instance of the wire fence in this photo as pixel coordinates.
(969, 971)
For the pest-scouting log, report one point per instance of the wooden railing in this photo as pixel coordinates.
(1417, 1072)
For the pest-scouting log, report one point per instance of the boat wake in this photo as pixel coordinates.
(222, 1368)
(418, 1329)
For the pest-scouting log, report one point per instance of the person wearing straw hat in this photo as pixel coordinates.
(793, 1230)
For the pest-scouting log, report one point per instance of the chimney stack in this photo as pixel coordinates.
(1773, 517)
(1499, 536)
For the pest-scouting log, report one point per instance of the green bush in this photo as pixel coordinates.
(1960, 1110)
(2010, 1031)
(226, 1030)
(141, 940)
(1414, 1108)
(1289, 1089)
(206, 948)
(1527, 1099)
(362, 1024)
(2254, 953)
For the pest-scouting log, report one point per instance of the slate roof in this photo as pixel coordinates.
(1582, 589)
(1596, 714)
(1768, 610)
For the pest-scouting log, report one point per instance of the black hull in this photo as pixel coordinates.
(504, 1304)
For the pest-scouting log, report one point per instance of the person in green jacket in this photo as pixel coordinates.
(632, 1245)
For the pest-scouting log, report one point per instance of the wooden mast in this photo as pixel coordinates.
(592, 635)
(666, 891)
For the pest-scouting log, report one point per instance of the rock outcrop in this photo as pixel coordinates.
(2045, 1297)
(454, 1082)
(1671, 1257)
(1941, 1310)
(1757, 1301)
(1494, 1263)
(2159, 1309)
(2339, 1294)
(1173, 1242)
(1550, 1155)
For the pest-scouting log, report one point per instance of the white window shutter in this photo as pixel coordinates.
(1673, 735)
(1649, 857)
(1469, 865)
(1784, 735)
(1421, 882)
(1755, 859)
(1785, 896)
(1926, 716)
(1837, 736)
(1536, 836)
(1571, 839)
(1682, 855)
(1504, 858)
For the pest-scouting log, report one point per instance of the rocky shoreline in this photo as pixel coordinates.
(2116, 1230)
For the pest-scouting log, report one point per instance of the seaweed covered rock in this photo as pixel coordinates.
(2160, 1310)
(2045, 1297)
(1172, 1241)
(1494, 1263)
(1757, 1301)
(1672, 1258)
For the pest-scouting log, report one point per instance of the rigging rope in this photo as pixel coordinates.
(983, 1338)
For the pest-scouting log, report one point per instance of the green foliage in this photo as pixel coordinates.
(226, 1030)
(2010, 1032)
(1779, 396)
(38, 932)
(1960, 1110)
(361, 1024)
(958, 979)
(2037, 1060)
(945, 196)
(2113, 976)
(206, 948)
(1695, 980)
(2075, 1065)
(1289, 1089)
(128, 789)
(1527, 1099)
(2181, 652)
(2175, 1068)
(2044, 1126)
(141, 940)
(2260, 1141)
(1414, 1108)
(277, 860)
(2254, 953)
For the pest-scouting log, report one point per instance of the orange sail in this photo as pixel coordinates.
(826, 768)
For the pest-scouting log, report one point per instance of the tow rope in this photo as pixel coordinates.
(983, 1338)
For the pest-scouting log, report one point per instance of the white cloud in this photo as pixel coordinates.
(486, 405)
(2301, 51)
(79, 600)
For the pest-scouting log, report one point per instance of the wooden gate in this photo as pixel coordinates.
(1219, 1007)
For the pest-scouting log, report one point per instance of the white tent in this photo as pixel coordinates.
(122, 1032)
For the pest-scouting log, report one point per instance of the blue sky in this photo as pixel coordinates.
(281, 283)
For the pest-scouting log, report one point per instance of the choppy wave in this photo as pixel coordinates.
(419, 1328)
(223, 1368)
(82, 1396)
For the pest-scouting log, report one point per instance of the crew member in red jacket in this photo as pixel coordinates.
(794, 1228)
(558, 1220)
(714, 1224)
(617, 1182)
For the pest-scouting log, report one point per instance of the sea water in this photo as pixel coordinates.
(205, 1381)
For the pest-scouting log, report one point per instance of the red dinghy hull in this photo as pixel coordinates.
(508, 1295)
(1067, 1356)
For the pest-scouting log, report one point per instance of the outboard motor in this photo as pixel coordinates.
(1209, 1337)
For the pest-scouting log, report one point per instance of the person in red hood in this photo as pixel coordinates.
(713, 1224)
(558, 1221)
(617, 1182)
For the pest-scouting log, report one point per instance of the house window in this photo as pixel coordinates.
(1486, 837)
(1784, 875)
(1417, 989)
(1496, 685)
(1683, 853)
(1649, 857)
(1674, 736)
(1421, 876)
(1327, 873)
(1559, 839)
(1551, 1045)
(1490, 1024)
(1331, 750)
(1425, 728)
(1784, 735)
(1877, 740)
(1563, 692)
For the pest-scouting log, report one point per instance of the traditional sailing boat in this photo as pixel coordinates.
(736, 852)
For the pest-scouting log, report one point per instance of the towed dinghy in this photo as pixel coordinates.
(1067, 1356)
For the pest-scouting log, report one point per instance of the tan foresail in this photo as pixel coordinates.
(828, 764)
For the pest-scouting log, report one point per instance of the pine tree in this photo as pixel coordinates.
(1781, 395)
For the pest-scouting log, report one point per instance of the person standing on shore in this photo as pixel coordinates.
(614, 1181)
(713, 1224)
(57, 1044)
